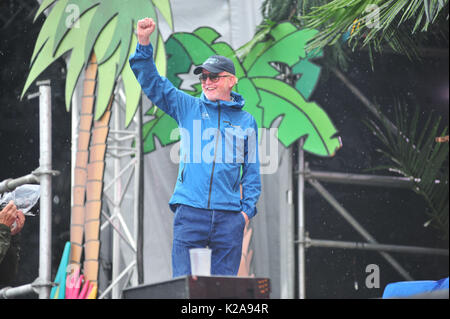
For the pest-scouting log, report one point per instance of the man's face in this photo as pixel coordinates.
(220, 88)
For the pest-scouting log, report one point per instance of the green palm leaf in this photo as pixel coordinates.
(104, 27)
(44, 55)
(392, 22)
(300, 118)
(131, 86)
(420, 158)
(159, 128)
(165, 10)
(284, 36)
(44, 5)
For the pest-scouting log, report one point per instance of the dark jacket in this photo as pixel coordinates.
(9, 255)
(5, 241)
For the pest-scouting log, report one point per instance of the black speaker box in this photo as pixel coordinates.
(202, 287)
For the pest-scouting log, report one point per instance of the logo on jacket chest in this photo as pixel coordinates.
(205, 143)
(232, 125)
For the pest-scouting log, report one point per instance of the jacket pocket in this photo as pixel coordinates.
(182, 173)
(181, 179)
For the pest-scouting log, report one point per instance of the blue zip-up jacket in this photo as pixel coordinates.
(218, 139)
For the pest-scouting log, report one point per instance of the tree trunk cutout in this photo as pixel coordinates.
(88, 180)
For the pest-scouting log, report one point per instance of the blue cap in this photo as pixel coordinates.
(216, 64)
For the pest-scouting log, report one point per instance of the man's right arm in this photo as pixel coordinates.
(157, 88)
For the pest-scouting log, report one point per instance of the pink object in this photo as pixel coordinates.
(84, 291)
(72, 281)
(76, 289)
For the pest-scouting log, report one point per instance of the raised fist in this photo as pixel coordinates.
(145, 28)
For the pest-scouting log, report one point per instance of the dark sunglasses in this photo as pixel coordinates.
(214, 77)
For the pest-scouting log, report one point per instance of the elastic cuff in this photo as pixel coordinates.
(250, 211)
(146, 50)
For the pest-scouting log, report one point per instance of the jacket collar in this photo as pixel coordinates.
(237, 101)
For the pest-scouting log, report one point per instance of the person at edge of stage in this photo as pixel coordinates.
(12, 221)
(211, 209)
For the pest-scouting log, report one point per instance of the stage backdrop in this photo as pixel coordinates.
(96, 41)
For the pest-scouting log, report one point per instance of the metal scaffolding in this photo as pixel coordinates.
(42, 175)
(313, 177)
(122, 198)
(124, 159)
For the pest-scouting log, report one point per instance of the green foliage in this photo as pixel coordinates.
(289, 10)
(277, 11)
(375, 23)
(414, 153)
(267, 97)
(102, 27)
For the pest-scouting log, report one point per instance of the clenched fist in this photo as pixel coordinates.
(145, 28)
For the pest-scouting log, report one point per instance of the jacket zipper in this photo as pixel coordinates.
(214, 162)
(236, 183)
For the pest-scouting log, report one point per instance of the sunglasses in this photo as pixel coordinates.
(214, 77)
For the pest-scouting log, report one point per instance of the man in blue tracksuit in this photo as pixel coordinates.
(218, 154)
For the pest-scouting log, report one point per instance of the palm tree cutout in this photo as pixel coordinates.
(99, 36)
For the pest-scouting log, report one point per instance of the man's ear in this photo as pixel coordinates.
(234, 81)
